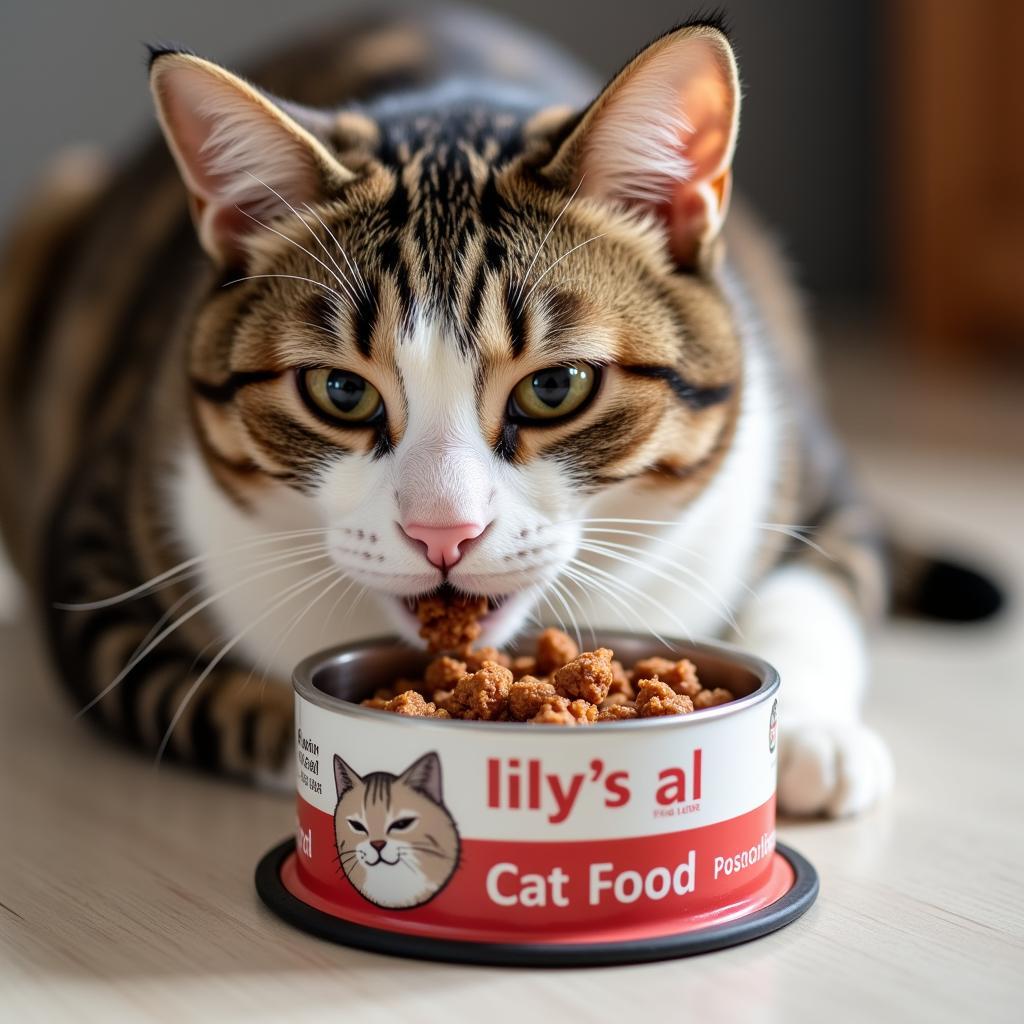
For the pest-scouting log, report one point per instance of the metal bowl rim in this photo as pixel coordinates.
(305, 671)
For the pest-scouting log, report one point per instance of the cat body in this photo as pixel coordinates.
(435, 242)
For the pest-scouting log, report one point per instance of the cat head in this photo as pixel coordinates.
(455, 323)
(397, 844)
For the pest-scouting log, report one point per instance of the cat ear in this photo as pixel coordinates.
(424, 775)
(661, 137)
(344, 777)
(230, 143)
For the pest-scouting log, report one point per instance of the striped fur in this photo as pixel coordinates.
(151, 398)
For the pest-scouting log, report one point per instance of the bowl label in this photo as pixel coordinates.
(527, 835)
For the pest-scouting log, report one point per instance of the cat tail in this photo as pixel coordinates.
(941, 586)
(35, 244)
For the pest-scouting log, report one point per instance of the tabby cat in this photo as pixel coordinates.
(425, 313)
(386, 822)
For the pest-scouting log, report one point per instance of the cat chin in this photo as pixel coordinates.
(498, 626)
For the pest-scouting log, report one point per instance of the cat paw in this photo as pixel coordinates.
(832, 768)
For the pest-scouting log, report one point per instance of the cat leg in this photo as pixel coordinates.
(804, 623)
(173, 701)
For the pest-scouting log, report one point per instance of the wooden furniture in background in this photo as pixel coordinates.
(954, 99)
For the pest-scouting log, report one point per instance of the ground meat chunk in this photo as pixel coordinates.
(527, 696)
(588, 676)
(711, 698)
(447, 623)
(621, 683)
(583, 711)
(525, 665)
(617, 713)
(655, 698)
(554, 649)
(414, 705)
(681, 675)
(444, 672)
(475, 659)
(554, 712)
(614, 700)
(483, 694)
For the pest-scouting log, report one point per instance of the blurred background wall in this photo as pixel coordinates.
(73, 71)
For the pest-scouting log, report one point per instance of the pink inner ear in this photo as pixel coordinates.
(665, 137)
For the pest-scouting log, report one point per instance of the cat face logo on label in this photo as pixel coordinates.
(773, 728)
(396, 841)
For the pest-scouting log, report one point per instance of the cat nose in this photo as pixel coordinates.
(443, 542)
(378, 844)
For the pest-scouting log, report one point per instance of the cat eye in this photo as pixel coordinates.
(553, 393)
(357, 826)
(341, 395)
(402, 824)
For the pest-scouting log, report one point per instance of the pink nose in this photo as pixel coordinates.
(443, 541)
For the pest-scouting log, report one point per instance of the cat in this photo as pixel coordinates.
(397, 844)
(424, 307)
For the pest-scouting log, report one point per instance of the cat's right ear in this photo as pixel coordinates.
(242, 157)
(660, 138)
(344, 777)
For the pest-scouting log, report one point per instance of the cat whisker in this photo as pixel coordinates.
(420, 848)
(289, 277)
(288, 594)
(340, 276)
(551, 266)
(543, 241)
(586, 575)
(607, 549)
(181, 620)
(582, 609)
(341, 576)
(663, 542)
(554, 610)
(617, 581)
(342, 283)
(333, 609)
(796, 533)
(176, 570)
(556, 590)
(193, 591)
(365, 288)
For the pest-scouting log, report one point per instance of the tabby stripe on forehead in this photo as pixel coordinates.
(364, 318)
(693, 395)
(516, 321)
(225, 391)
(469, 330)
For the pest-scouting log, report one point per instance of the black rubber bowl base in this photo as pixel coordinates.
(289, 908)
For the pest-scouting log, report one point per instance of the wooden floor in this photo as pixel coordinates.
(127, 893)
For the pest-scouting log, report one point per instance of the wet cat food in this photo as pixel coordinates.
(557, 685)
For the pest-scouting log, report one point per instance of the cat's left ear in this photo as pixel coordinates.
(661, 137)
(345, 777)
(242, 157)
(424, 775)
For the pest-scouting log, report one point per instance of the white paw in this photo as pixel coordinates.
(832, 768)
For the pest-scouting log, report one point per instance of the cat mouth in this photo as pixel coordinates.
(504, 615)
(381, 859)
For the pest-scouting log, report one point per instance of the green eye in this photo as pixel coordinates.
(552, 393)
(342, 395)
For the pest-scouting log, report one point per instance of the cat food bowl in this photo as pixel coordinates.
(504, 843)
